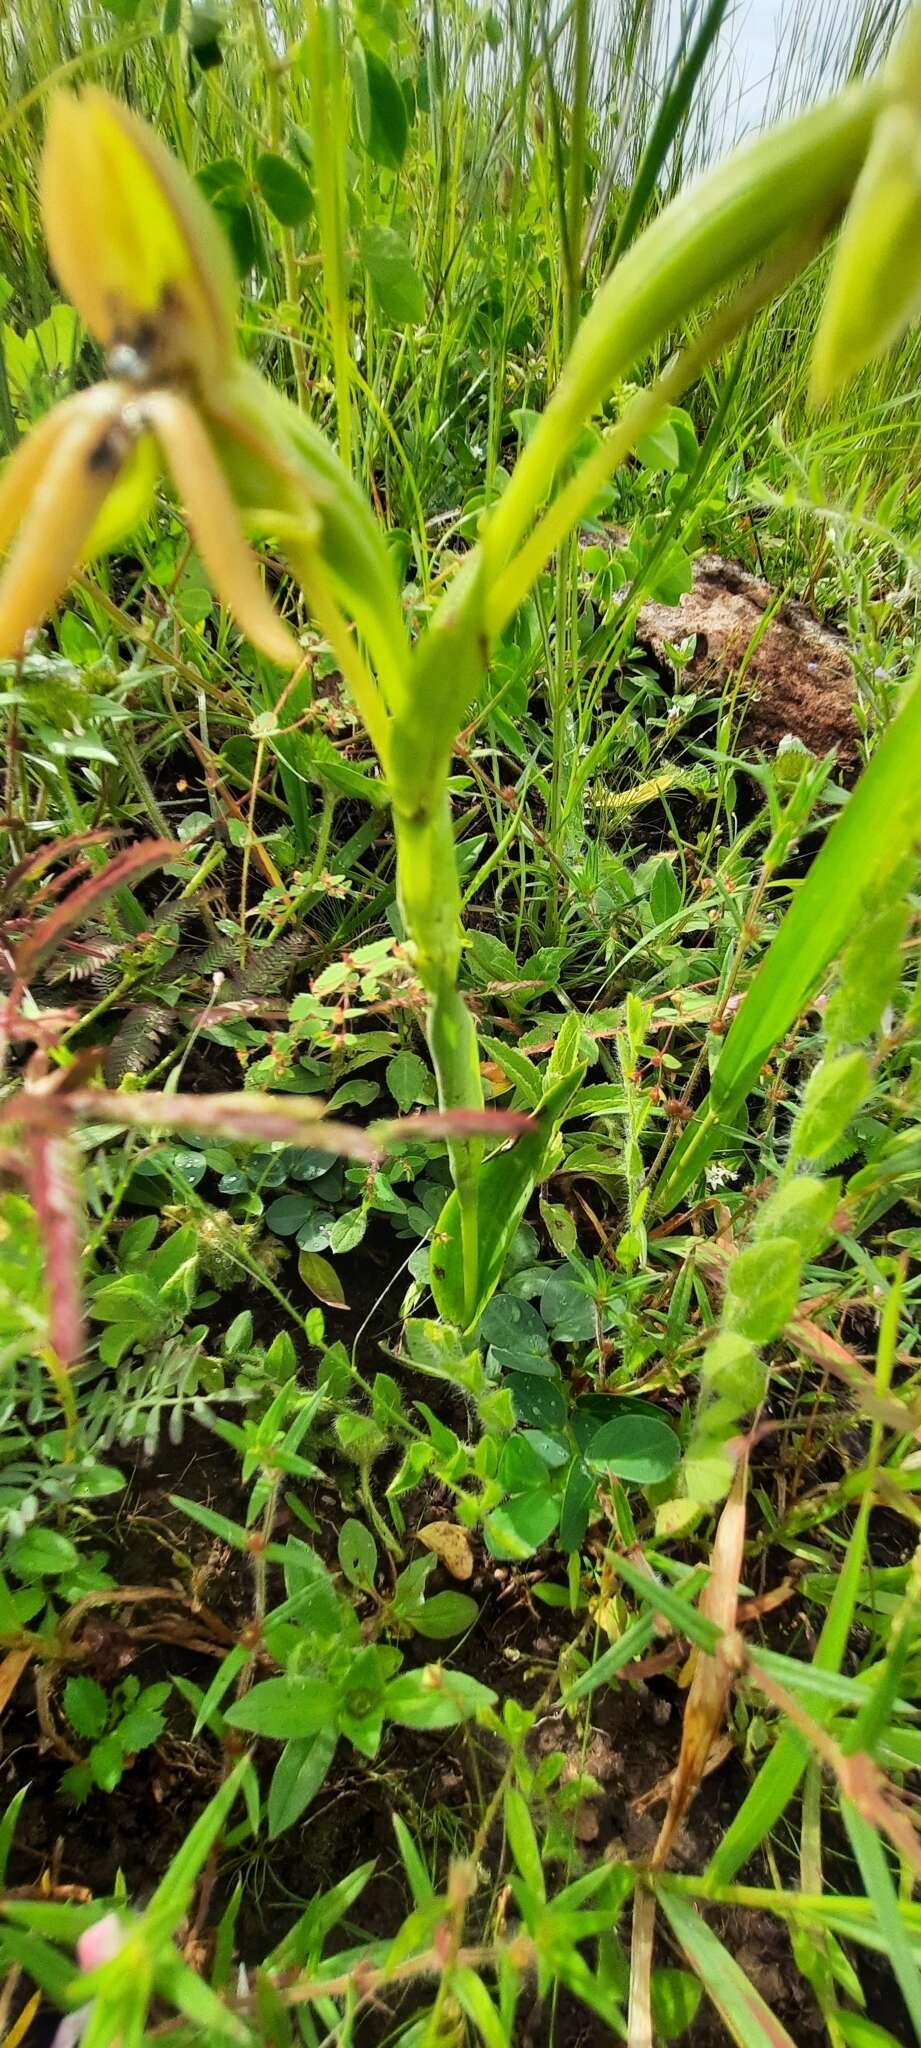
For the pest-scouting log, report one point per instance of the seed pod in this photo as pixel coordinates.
(870, 970)
(732, 1371)
(801, 1208)
(874, 291)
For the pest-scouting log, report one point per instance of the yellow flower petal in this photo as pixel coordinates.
(22, 472)
(81, 460)
(215, 523)
(133, 242)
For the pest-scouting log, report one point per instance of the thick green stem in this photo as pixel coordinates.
(430, 904)
(410, 706)
(452, 1042)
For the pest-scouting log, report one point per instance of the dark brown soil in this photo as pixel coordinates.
(435, 1783)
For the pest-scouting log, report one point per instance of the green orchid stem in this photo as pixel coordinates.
(452, 1042)
(771, 205)
(430, 904)
(410, 706)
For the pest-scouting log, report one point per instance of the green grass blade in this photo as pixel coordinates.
(174, 1892)
(669, 121)
(874, 1869)
(864, 848)
(684, 1619)
(471, 1993)
(420, 1883)
(741, 2008)
(632, 1643)
(766, 1800)
(8, 1828)
(780, 1775)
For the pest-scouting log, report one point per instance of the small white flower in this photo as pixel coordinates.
(719, 1176)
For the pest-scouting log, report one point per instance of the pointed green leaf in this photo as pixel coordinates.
(747, 2018)
(863, 852)
(297, 1778)
(285, 1707)
(284, 189)
(506, 1184)
(387, 130)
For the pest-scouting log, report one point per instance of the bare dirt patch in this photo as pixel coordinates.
(795, 673)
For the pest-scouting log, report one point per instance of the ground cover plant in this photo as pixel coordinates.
(459, 1573)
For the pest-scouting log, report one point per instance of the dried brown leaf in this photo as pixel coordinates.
(451, 1545)
(706, 1701)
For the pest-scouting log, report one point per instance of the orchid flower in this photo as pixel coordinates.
(137, 249)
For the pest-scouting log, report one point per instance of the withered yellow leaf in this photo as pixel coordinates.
(451, 1545)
